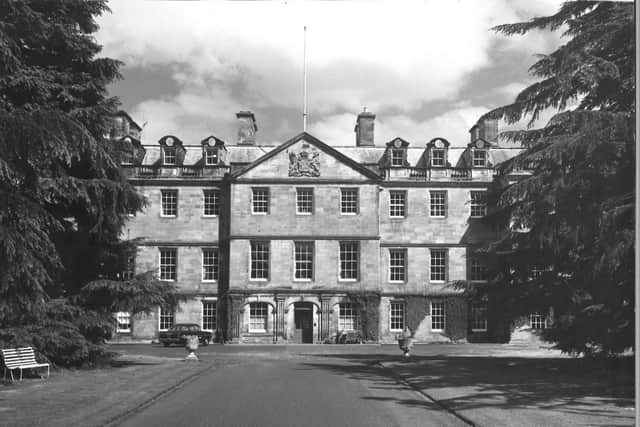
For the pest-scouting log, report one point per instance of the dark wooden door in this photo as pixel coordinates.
(303, 317)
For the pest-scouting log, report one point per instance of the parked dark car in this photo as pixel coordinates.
(178, 333)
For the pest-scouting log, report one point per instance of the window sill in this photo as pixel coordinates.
(397, 282)
(437, 217)
(259, 213)
(437, 330)
(397, 217)
(258, 280)
(259, 332)
(303, 280)
(304, 213)
(438, 282)
(348, 280)
(127, 332)
(209, 281)
(348, 214)
(168, 216)
(210, 216)
(478, 330)
(167, 280)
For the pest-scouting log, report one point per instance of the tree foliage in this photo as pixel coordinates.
(568, 225)
(63, 199)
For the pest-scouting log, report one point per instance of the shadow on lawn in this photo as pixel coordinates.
(572, 386)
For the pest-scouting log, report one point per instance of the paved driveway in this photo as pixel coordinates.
(307, 385)
(284, 389)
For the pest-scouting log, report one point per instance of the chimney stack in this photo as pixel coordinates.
(247, 128)
(489, 130)
(486, 129)
(364, 129)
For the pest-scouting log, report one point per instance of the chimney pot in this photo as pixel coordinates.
(247, 128)
(364, 129)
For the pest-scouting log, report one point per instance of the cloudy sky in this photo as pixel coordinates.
(425, 68)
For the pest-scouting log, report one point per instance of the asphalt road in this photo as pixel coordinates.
(282, 389)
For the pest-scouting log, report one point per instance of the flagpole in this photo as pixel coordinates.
(304, 100)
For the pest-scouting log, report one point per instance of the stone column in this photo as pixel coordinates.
(325, 317)
(280, 317)
(235, 313)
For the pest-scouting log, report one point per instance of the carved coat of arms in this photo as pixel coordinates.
(305, 162)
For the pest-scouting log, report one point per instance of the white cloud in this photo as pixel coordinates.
(453, 126)
(228, 56)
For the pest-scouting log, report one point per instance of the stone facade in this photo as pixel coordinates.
(286, 271)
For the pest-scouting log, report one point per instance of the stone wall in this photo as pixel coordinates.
(189, 225)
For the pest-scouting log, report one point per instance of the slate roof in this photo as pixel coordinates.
(241, 155)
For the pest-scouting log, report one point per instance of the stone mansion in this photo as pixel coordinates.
(297, 242)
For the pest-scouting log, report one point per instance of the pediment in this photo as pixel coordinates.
(305, 157)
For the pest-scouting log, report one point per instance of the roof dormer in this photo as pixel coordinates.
(396, 153)
(123, 125)
(480, 155)
(214, 152)
(172, 151)
(437, 153)
(130, 150)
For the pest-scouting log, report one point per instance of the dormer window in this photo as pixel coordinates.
(128, 152)
(169, 155)
(211, 156)
(397, 157)
(479, 158)
(437, 157)
(437, 152)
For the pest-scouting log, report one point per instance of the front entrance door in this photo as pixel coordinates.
(303, 319)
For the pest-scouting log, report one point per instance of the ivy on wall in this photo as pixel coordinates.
(368, 303)
(417, 307)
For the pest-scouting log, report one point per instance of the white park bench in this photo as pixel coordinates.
(20, 358)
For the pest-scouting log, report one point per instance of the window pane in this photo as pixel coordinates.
(397, 265)
(260, 200)
(168, 264)
(169, 202)
(438, 265)
(211, 202)
(397, 157)
(479, 316)
(349, 260)
(169, 155)
(437, 203)
(211, 156)
(257, 317)
(210, 264)
(478, 204)
(123, 319)
(478, 270)
(260, 260)
(304, 200)
(479, 158)
(303, 260)
(209, 315)
(349, 201)
(437, 157)
(397, 316)
(537, 321)
(397, 203)
(437, 316)
(349, 319)
(166, 318)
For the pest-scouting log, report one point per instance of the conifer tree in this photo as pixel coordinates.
(568, 227)
(63, 199)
